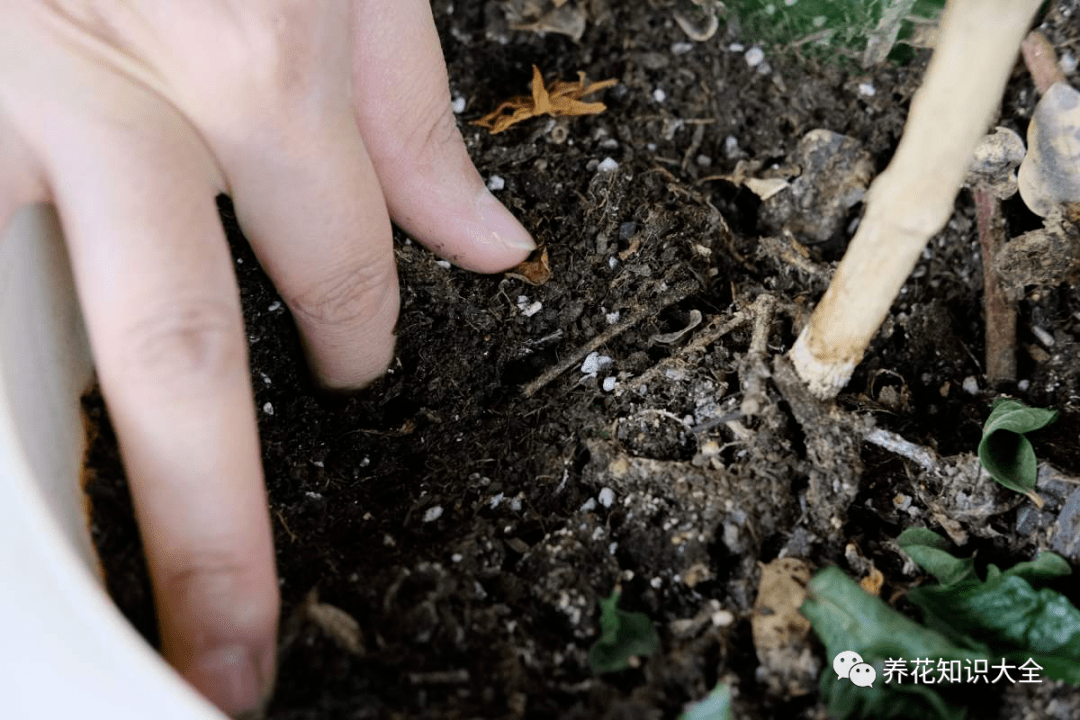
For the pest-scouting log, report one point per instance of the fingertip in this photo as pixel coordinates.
(509, 242)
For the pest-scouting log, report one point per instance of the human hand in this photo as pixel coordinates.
(318, 119)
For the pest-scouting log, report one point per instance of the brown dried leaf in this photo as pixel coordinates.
(872, 583)
(560, 98)
(535, 271)
(781, 634)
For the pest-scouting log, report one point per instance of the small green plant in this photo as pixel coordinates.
(864, 29)
(714, 706)
(1006, 618)
(623, 635)
(1005, 451)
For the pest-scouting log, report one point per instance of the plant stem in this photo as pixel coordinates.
(1041, 61)
(999, 314)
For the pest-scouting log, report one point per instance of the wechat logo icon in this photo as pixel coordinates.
(849, 665)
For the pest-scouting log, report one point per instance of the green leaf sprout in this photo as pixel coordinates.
(622, 635)
(1005, 451)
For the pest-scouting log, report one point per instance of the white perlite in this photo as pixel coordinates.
(528, 308)
(433, 513)
(595, 362)
(496, 183)
(607, 165)
(754, 56)
(606, 497)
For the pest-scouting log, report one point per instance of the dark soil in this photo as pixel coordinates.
(469, 511)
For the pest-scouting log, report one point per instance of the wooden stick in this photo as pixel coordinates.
(999, 315)
(913, 198)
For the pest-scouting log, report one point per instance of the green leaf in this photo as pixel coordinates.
(1046, 566)
(1005, 451)
(1013, 618)
(714, 706)
(1004, 616)
(1005, 613)
(846, 617)
(622, 635)
(928, 550)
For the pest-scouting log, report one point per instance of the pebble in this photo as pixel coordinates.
(268, 409)
(1067, 63)
(754, 56)
(731, 146)
(607, 165)
(527, 308)
(595, 362)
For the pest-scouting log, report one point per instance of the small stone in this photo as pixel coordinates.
(731, 146)
(268, 409)
(1067, 63)
(607, 165)
(527, 308)
(609, 383)
(496, 183)
(754, 56)
(681, 48)
(595, 362)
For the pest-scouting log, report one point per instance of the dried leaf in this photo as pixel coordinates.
(560, 98)
(535, 271)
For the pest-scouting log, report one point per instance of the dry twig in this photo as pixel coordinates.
(679, 293)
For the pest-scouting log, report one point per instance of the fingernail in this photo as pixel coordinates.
(230, 679)
(502, 224)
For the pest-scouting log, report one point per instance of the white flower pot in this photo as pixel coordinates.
(65, 650)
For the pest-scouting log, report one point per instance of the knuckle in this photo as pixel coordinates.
(435, 129)
(217, 579)
(184, 340)
(351, 294)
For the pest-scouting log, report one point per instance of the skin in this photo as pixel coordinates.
(322, 121)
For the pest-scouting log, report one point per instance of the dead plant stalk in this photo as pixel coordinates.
(913, 198)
